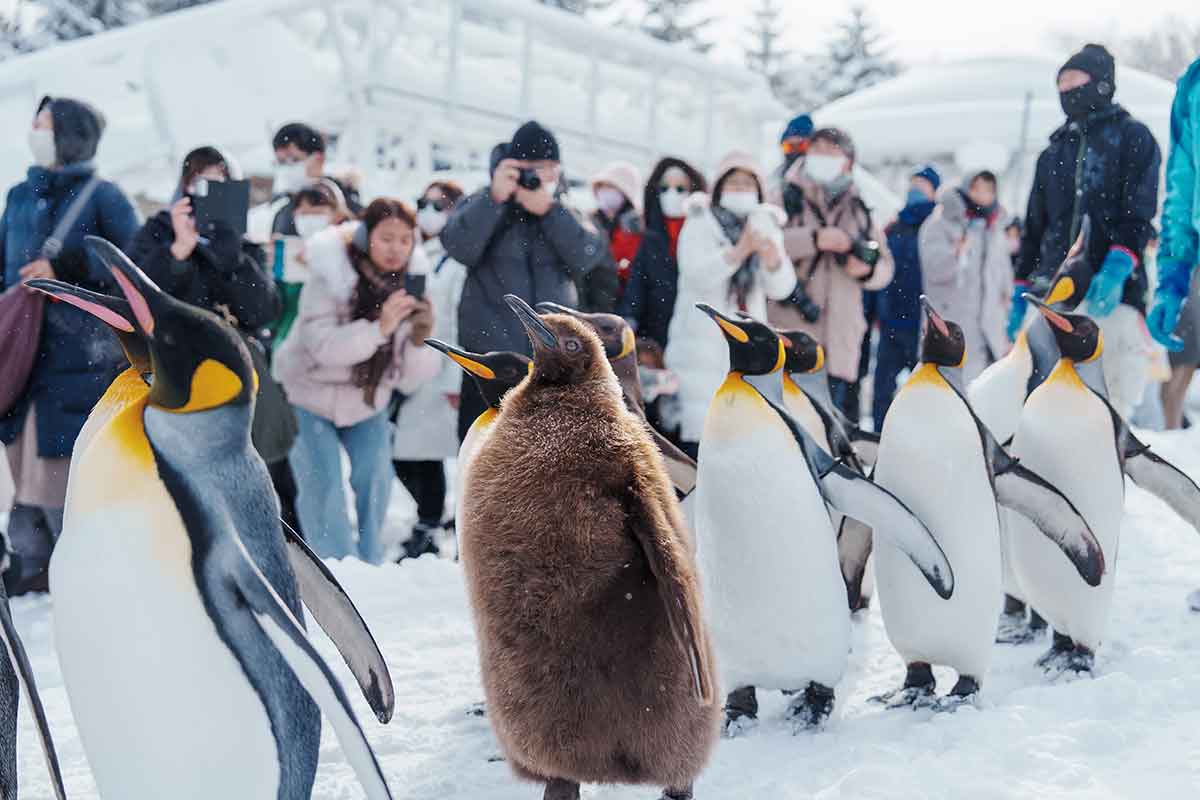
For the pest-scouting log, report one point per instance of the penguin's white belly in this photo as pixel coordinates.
(163, 708)
(1126, 359)
(802, 410)
(1066, 436)
(476, 435)
(931, 458)
(767, 553)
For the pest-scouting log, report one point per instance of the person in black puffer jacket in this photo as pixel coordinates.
(213, 267)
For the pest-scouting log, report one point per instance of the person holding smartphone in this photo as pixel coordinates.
(359, 337)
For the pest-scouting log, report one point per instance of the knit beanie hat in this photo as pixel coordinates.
(532, 142)
(801, 126)
(930, 174)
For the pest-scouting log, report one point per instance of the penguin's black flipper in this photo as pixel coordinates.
(1162, 479)
(20, 663)
(1031, 496)
(681, 468)
(318, 680)
(855, 495)
(651, 524)
(854, 548)
(334, 611)
(865, 444)
(840, 442)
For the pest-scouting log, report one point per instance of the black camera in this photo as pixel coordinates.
(804, 304)
(866, 251)
(529, 179)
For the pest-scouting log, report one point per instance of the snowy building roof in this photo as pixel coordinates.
(937, 109)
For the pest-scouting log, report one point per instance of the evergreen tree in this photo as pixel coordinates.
(581, 7)
(157, 7)
(63, 20)
(764, 53)
(1166, 51)
(675, 21)
(854, 59)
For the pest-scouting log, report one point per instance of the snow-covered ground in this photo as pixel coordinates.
(1131, 732)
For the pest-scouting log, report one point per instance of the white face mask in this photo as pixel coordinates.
(609, 199)
(551, 187)
(824, 168)
(671, 203)
(290, 178)
(431, 220)
(41, 144)
(740, 203)
(308, 224)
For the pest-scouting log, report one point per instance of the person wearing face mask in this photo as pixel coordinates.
(968, 269)
(300, 162)
(515, 236)
(618, 214)
(427, 420)
(77, 358)
(838, 252)
(899, 303)
(731, 257)
(359, 337)
(1101, 164)
(648, 302)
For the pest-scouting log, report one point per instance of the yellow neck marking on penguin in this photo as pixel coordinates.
(1099, 348)
(1064, 373)
(781, 360)
(790, 387)
(820, 360)
(732, 330)
(1022, 342)
(628, 343)
(1061, 291)
(126, 388)
(927, 375)
(484, 420)
(213, 385)
(472, 366)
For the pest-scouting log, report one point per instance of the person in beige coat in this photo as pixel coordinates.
(838, 252)
(967, 268)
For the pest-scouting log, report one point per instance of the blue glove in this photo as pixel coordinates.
(1016, 314)
(1163, 317)
(1109, 283)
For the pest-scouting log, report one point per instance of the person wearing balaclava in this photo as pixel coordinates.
(839, 252)
(1101, 165)
(516, 236)
(77, 358)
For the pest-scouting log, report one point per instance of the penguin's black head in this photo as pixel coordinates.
(803, 353)
(1073, 277)
(494, 373)
(112, 311)
(614, 332)
(565, 350)
(197, 359)
(943, 344)
(754, 349)
(1078, 337)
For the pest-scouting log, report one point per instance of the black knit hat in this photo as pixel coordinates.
(1095, 60)
(532, 142)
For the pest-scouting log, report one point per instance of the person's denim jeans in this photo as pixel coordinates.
(897, 352)
(321, 502)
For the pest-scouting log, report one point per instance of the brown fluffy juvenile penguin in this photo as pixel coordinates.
(595, 658)
(620, 346)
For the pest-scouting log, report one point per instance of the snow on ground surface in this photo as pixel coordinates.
(1131, 732)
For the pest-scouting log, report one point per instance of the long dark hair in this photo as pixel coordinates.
(655, 221)
(374, 287)
(197, 161)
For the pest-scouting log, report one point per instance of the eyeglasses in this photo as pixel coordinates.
(794, 147)
(438, 205)
(679, 189)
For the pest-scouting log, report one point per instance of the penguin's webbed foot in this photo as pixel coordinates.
(736, 727)
(477, 710)
(677, 794)
(913, 697)
(1193, 600)
(1016, 630)
(965, 692)
(558, 789)
(1060, 648)
(741, 712)
(811, 708)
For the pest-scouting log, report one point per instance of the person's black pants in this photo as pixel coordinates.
(897, 352)
(426, 482)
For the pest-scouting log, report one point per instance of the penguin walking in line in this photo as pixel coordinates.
(1068, 421)
(594, 653)
(765, 543)
(936, 456)
(320, 591)
(620, 346)
(188, 672)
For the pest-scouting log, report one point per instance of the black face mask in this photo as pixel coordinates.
(1083, 100)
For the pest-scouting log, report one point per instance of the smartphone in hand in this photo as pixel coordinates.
(414, 285)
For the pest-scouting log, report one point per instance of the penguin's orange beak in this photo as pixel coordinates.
(1054, 318)
(138, 289)
(935, 318)
(113, 311)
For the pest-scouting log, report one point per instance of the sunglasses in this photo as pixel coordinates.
(438, 205)
(678, 189)
(791, 148)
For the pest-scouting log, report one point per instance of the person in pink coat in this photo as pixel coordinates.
(358, 337)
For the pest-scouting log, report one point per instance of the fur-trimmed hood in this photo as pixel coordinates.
(329, 259)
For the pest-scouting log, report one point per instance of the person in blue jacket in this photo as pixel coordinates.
(77, 357)
(899, 305)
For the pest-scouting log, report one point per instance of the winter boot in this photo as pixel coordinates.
(31, 535)
(421, 541)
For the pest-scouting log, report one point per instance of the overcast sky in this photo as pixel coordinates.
(922, 30)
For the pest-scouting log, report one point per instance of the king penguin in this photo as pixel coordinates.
(593, 649)
(320, 591)
(187, 670)
(936, 456)
(1066, 422)
(765, 542)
